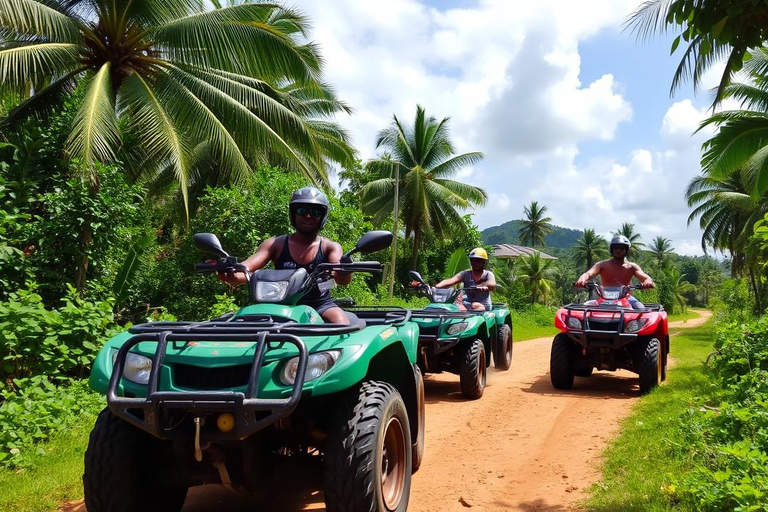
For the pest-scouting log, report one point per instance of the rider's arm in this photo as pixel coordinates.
(644, 278)
(451, 281)
(589, 274)
(334, 256)
(489, 283)
(254, 262)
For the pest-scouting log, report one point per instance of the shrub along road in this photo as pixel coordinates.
(523, 446)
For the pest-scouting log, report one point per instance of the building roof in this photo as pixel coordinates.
(513, 251)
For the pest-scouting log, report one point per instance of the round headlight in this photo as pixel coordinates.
(317, 365)
(574, 323)
(453, 329)
(137, 367)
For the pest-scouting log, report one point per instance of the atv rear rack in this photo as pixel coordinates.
(251, 412)
(381, 315)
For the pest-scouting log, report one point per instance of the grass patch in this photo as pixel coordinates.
(683, 316)
(538, 322)
(54, 477)
(639, 464)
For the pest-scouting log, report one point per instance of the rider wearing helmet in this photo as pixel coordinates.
(618, 271)
(304, 248)
(477, 281)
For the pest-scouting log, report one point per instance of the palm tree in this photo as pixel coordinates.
(538, 273)
(418, 160)
(660, 250)
(172, 78)
(727, 212)
(185, 86)
(628, 230)
(535, 227)
(713, 31)
(740, 142)
(590, 248)
(679, 287)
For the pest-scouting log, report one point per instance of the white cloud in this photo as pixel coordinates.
(509, 76)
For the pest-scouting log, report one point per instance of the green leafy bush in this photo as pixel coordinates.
(58, 343)
(36, 410)
(730, 437)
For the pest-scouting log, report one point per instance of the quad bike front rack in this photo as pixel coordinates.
(251, 413)
(590, 336)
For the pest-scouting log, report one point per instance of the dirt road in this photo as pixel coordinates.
(524, 446)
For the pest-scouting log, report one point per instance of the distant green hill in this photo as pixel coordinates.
(563, 238)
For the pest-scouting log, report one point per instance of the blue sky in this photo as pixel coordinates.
(569, 110)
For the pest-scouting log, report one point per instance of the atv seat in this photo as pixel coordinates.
(355, 320)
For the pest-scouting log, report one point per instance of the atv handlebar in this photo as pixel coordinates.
(221, 266)
(593, 284)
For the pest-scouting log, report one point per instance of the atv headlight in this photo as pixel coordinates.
(317, 365)
(635, 325)
(574, 323)
(454, 328)
(136, 368)
(267, 291)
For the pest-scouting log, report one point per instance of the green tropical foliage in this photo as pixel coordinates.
(538, 275)
(185, 86)
(660, 249)
(419, 160)
(535, 227)
(589, 249)
(713, 32)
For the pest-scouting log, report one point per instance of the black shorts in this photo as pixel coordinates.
(322, 305)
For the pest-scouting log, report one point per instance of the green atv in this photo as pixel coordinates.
(459, 341)
(230, 399)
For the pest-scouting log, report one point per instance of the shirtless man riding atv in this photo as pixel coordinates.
(617, 270)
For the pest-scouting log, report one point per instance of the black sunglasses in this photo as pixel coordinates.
(301, 211)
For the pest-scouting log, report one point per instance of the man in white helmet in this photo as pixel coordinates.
(480, 282)
(304, 248)
(617, 270)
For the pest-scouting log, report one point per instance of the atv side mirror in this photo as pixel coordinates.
(208, 243)
(415, 276)
(372, 241)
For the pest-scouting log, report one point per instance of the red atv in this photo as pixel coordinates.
(607, 334)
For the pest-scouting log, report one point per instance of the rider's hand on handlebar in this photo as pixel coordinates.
(648, 284)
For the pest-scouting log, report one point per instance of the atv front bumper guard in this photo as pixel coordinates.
(591, 337)
(437, 343)
(251, 412)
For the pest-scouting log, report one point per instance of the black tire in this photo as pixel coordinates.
(125, 470)
(473, 370)
(502, 358)
(583, 372)
(418, 445)
(561, 362)
(368, 455)
(647, 363)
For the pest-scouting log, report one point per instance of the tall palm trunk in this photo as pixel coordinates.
(416, 242)
(85, 239)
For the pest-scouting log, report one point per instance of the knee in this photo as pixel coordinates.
(335, 316)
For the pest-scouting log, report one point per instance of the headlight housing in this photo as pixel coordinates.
(574, 323)
(317, 365)
(455, 328)
(635, 325)
(271, 291)
(136, 368)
